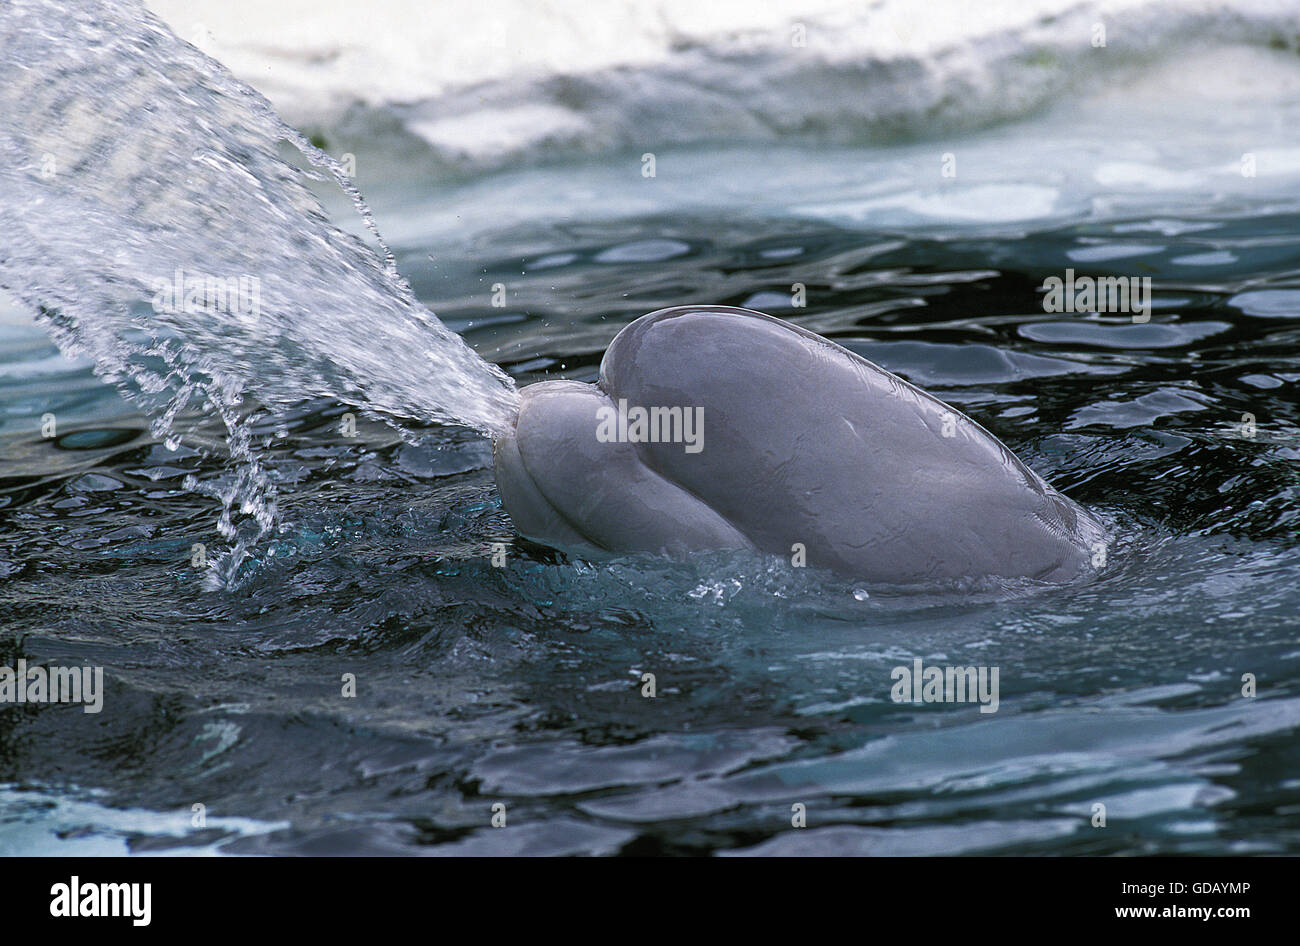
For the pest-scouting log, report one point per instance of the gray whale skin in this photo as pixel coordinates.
(803, 445)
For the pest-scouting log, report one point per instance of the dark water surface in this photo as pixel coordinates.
(522, 685)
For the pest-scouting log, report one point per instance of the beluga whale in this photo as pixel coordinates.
(715, 427)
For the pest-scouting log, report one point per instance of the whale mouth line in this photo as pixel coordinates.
(581, 527)
(648, 461)
(507, 441)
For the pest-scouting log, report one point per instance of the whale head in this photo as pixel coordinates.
(713, 427)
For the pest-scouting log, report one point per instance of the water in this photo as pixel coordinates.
(141, 166)
(522, 685)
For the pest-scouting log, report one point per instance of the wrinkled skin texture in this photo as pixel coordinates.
(803, 442)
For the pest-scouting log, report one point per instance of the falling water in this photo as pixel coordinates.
(150, 221)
